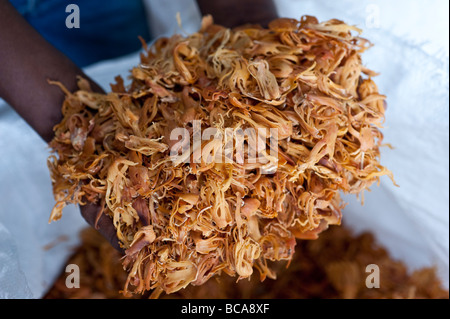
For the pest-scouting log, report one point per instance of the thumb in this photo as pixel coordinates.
(104, 224)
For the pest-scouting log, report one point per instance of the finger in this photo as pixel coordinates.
(103, 225)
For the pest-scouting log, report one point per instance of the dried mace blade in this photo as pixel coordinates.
(154, 153)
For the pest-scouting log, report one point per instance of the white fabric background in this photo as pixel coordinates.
(411, 52)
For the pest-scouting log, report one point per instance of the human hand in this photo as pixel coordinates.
(27, 62)
(232, 13)
(102, 223)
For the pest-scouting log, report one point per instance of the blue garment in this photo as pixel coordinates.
(108, 29)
